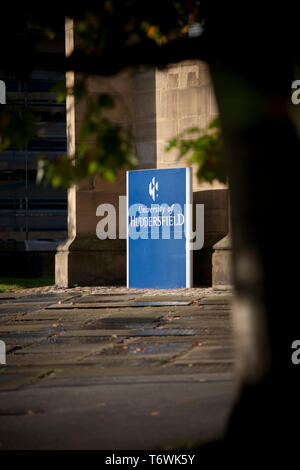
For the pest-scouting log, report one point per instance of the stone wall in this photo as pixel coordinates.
(155, 105)
(83, 259)
(185, 99)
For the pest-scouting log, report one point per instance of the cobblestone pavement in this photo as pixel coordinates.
(114, 368)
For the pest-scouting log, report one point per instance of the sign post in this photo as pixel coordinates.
(159, 225)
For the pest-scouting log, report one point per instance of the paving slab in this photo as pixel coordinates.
(139, 348)
(46, 359)
(124, 322)
(20, 309)
(94, 298)
(16, 377)
(35, 299)
(165, 332)
(218, 299)
(73, 340)
(47, 347)
(85, 306)
(117, 304)
(147, 354)
(115, 416)
(168, 298)
(61, 381)
(162, 303)
(206, 353)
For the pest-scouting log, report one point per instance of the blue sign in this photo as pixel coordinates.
(159, 224)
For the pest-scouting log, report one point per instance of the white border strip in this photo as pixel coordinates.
(127, 231)
(188, 231)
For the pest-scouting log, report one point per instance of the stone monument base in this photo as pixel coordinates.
(90, 262)
(222, 265)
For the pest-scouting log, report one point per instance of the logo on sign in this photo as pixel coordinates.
(153, 188)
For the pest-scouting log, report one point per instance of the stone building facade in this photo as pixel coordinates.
(156, 105)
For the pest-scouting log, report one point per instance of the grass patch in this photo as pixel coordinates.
(10, 284)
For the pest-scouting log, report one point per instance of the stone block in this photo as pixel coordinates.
(193, 101)
(222, 270)
(167, 104)
(166, 129)
(91, 261)
(161, 79)
(163, 157)
(188, 122)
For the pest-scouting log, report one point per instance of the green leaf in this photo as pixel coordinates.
(103, 148)
(206, 151)
(193, 130)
